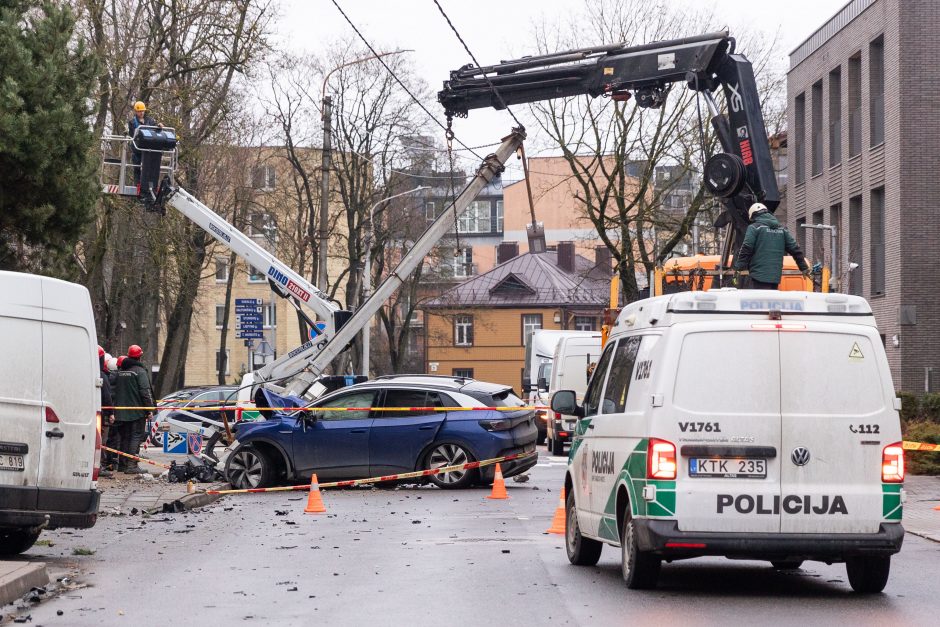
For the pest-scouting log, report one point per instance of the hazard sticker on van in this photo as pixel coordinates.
(856, 352)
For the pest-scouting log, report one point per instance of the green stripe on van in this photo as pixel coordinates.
(891, 501)
(633, 475)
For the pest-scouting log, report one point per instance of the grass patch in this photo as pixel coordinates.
(82, 551)
(44, 543)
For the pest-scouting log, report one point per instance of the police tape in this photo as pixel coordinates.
(920, 446)
(295, 409)
(405, 475)
(140, 459)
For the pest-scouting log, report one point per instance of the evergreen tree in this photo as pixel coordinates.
(48, 181)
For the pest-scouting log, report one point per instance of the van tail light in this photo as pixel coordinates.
(778, 326)
(661, 459)
(51, 415)
(892, 463)
(96, 467)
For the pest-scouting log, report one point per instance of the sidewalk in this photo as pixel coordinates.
(920, 517)
(122, 494)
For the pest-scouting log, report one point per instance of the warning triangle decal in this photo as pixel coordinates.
(856, 352)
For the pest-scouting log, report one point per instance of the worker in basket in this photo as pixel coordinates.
(140, 119)
(765, 244)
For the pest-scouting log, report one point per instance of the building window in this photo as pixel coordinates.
(835, 116)
(270, 315)
(221, 270)
(430, 212)
(878, 241)
(222, 363)
(499, 216)
(799, 138)
(263, 225)
(530, 323)
(255, 275)
(463, 262)
(855, 246)
(855, 104)
(876, 91)
(219, 316)
(463, 330)
(585, 323)
(819, 240)
(801, 234)
(463, 373)
(476, 218)
(817, 129)
(262, 178)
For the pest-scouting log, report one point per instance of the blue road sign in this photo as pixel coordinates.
(244, 335)
(249, 343)
(248, 301)
(250, 316)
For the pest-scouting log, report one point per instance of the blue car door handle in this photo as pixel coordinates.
(426, 427)
(358, 430)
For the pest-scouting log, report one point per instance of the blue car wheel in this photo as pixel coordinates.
(450, 454)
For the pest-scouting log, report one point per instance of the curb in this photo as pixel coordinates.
(926, 535)
(192, 501)
(18, 578)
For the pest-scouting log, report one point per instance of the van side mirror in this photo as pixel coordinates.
(543, 384)
(565, 402)
(527, 387)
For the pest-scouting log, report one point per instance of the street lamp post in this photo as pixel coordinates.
(326, 162)
(367, 271)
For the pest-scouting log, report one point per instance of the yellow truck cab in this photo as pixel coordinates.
(747, 424)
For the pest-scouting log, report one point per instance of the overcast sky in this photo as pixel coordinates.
(500, 29)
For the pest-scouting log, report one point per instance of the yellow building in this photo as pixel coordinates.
(276, 218)
(478, 328)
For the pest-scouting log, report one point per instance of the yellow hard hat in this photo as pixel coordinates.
(140, 106)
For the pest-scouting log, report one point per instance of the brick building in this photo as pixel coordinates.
(864, 96)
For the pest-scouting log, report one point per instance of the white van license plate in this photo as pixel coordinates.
(747, 468)
(12, 462)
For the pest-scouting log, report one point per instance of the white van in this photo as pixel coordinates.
(537, 370)
(571, 364)
(50, 400)
(749, 424)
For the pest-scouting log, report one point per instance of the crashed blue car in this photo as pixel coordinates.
(339, 444)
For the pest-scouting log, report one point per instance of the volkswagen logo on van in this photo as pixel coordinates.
(800, 456)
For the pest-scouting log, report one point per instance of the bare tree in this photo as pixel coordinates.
(617, 152)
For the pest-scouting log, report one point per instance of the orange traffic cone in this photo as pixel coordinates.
(314, 500)
(499, 486)
(558, 522)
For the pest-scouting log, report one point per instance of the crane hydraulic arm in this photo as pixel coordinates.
(741, 174)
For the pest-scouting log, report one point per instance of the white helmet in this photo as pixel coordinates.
(756, 208)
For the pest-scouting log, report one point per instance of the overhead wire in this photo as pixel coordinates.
(398, 80)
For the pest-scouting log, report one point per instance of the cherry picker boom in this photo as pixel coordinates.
(741, 174)
(294, 373)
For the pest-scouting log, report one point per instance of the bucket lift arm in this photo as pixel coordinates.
(740, 175)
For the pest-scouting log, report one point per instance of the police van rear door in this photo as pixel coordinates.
(725, 423)
(838, 416)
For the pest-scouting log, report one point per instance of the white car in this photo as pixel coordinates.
(748, 424)
(50, 401)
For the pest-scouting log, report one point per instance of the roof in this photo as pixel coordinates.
(531, 279)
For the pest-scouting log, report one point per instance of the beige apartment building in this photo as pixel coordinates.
(274, 218)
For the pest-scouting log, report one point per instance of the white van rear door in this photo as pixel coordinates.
(70, 373)
(21, 412)
(725, 423)
(837, 417)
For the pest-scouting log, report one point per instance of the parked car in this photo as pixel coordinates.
(50, 438)
(191, 400)
(340, 444)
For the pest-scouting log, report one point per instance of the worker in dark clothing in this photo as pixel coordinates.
(765, 244)
(133, 389)
(107, 415)
(140, 119)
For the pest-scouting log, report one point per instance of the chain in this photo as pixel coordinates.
(449, 136)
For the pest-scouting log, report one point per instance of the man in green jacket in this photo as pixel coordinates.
(132, 389)
(761, 254)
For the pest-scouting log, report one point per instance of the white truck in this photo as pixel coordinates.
(575, 355)
(747, 424)
(50, 402)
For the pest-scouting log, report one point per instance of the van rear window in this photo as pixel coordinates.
(728, 372)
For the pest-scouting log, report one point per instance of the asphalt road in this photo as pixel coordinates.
(423, 556)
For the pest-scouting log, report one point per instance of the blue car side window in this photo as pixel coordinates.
(361, 400)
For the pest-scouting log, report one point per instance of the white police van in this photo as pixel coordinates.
(749, 424)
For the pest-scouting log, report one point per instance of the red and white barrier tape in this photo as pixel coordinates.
(404, 475)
